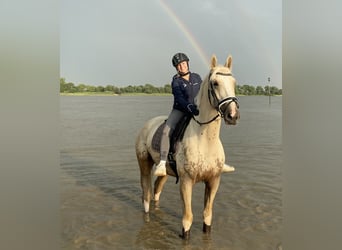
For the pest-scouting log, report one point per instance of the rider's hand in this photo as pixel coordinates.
(193, 109)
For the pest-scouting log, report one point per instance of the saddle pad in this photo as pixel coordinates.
(157, 137)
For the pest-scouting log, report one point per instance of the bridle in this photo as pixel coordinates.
(217, 103)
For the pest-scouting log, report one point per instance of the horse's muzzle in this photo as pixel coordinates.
(231, 116)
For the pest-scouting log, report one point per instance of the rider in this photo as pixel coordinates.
(185, 86)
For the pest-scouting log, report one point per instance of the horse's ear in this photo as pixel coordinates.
(228, 63)
(213, 61)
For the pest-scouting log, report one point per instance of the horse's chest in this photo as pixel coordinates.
(199, 150)
(200, 162)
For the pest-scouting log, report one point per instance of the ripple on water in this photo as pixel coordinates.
(101, 204)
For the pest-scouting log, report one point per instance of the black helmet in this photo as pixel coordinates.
(178, 58)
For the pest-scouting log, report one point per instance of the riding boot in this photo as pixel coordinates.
(226, 168)
(164, 149)
(160, 169)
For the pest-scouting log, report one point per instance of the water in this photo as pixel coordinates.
(100, 184)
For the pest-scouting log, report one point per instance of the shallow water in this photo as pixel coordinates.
(100, 185)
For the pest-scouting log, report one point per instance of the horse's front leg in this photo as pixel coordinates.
(186, 185)
(211, 188)
(158, 186)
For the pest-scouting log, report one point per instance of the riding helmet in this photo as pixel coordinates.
(178, 58)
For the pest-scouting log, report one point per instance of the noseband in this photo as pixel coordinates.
(219, 103)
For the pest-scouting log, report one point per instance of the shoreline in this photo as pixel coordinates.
(112, 94)
(130, 94)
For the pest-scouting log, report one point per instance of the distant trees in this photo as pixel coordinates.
(259, 90)
(69, 87)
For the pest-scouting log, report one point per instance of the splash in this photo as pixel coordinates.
(185, 30)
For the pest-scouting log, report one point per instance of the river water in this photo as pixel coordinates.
(100, 194)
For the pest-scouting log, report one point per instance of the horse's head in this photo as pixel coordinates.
(221, 90)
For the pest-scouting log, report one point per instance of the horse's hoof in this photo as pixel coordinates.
(185, 234)
(206, 228)
(147, 217)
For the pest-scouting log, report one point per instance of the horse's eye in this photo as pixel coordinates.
(215, 84)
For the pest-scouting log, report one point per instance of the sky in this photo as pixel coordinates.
(132, 42)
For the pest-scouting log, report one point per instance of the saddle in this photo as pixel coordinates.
(175, 136)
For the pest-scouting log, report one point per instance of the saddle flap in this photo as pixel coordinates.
(156, 139)
(176, 135)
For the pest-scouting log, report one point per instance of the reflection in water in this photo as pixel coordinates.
(101, 204)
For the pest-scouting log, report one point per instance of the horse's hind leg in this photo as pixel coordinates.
(158, 186)
(211, 188)
(146, 181)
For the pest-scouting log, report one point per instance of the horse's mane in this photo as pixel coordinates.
(201, 93)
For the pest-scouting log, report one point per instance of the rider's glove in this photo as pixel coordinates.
(193, 109)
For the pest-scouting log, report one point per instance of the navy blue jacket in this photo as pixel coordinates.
(185, 91)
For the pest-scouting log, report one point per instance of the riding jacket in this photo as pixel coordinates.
(184, 92)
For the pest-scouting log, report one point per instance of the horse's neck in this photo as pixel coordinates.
(206, 114)
(208, 131)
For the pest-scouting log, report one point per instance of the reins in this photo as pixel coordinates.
(211, 93)
(204, 123)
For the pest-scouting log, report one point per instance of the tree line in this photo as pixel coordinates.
(69, 87)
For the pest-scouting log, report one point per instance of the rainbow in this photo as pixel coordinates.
(194, 43)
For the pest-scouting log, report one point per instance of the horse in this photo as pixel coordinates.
(200, 155)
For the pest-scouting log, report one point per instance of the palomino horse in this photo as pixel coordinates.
(200, 155)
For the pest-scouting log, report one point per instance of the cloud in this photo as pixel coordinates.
(132, 42)
(211, 7)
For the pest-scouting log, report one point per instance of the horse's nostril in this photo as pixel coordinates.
(229, 118)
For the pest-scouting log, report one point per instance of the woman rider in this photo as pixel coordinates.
(185, 86)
